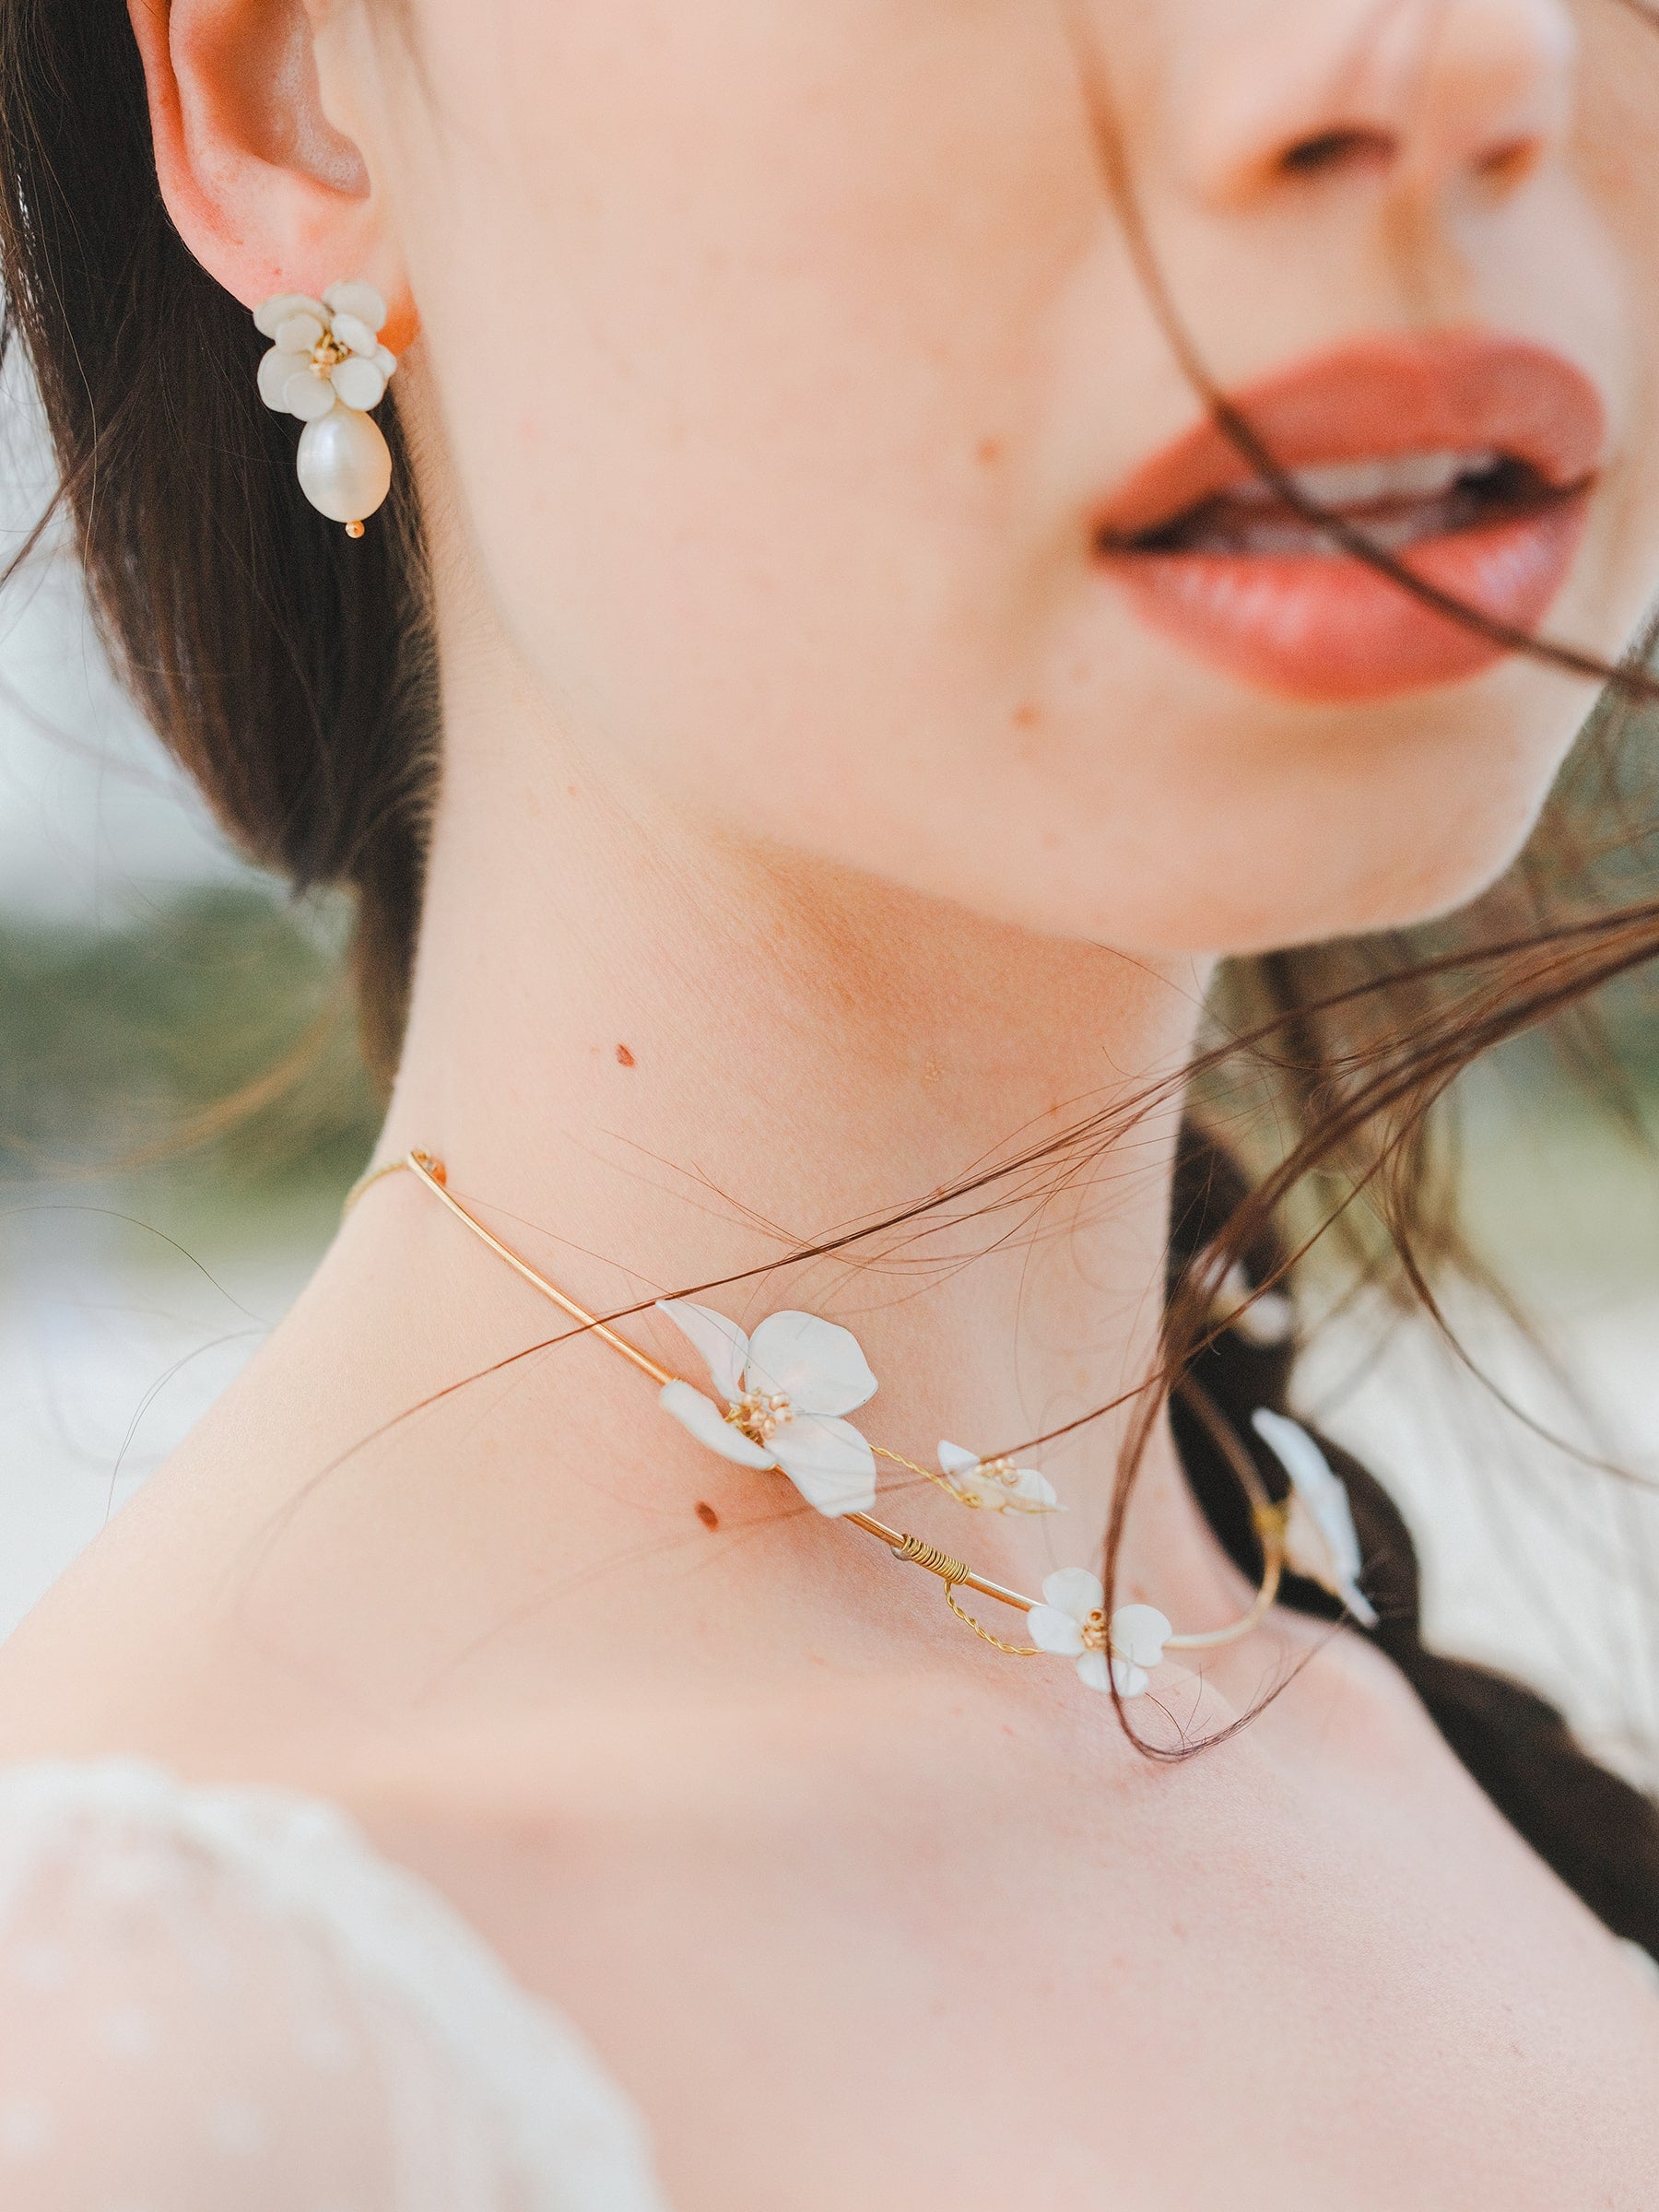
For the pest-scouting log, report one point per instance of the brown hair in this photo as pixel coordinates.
(292, 674)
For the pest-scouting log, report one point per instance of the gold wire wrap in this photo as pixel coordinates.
(915, 1551)
(895, 1539)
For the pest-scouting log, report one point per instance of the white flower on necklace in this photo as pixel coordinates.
(1321, 1540)
(783, 1389)
(323, 352)
(995, 1486)
(1071, 1623)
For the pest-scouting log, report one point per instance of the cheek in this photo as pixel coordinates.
(740, 355)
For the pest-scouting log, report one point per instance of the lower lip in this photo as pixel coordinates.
(1329, 629)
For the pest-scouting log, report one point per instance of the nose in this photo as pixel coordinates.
(1441, 96)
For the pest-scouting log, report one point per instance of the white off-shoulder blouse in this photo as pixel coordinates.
(215, 1998)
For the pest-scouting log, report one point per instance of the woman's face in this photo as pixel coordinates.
(825, 456)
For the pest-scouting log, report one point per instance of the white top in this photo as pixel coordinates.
(214, 1997)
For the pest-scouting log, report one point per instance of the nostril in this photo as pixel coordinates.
(1352, 147)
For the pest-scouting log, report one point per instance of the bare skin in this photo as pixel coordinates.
(765, 367)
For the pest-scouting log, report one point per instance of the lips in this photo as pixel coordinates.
(1467, 457)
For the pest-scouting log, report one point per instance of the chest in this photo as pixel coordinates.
(1224, 1989)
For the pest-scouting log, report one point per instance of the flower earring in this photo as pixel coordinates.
(327, 367)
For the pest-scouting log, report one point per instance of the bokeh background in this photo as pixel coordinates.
(182, 1109)
(182, 1104)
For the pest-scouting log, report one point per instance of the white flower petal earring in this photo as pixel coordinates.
(327, 367)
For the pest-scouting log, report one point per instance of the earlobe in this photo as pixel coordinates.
(267, 195)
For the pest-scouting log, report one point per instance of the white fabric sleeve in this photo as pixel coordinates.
(221, 1997)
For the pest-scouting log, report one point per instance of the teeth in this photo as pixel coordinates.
(1352, 484)
(1272, 535)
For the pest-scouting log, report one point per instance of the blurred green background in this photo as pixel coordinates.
(206, 1047)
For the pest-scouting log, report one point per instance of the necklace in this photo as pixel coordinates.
(786, 1391)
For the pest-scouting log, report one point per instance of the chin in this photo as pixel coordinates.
(1414, 880)
(1375, 853)
(1416, 830)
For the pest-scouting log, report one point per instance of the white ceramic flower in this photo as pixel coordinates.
(1321, 1540)
(324, 353)
(1071, 1623)
(995, 1486)
(784, 1390)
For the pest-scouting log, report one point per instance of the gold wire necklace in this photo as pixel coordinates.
(782, 1415)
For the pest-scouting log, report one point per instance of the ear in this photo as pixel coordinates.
(264, 187)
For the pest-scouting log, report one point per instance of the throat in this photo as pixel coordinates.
(662, 1067)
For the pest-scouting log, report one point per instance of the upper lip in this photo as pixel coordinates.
(1445, 391)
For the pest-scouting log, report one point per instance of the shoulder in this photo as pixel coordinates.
(254, 2003)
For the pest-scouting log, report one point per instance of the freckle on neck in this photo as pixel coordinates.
(624, 1057)
(706, 1515)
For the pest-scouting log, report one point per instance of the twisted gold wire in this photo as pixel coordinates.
(931, 1475)
(1014, 1651)
(953, 1573)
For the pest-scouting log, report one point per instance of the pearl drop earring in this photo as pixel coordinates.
(327, 367)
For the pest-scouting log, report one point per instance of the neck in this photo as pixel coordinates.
(655, 1057)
